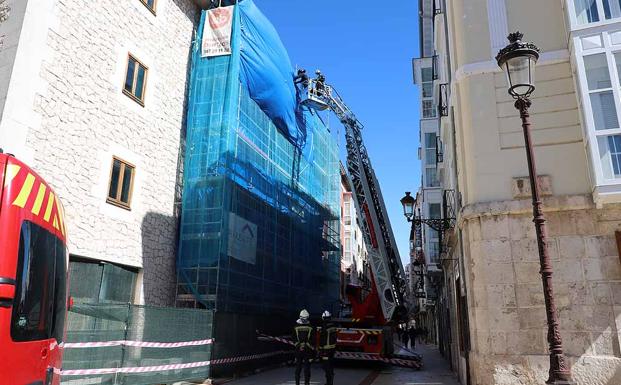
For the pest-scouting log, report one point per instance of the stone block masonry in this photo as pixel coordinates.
(507, 318)
(78, 118)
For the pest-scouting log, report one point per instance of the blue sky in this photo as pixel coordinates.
(366, 53)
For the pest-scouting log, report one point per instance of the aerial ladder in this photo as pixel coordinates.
(379, 307)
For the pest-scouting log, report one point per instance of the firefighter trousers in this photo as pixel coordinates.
(302, 359)
(327, 362)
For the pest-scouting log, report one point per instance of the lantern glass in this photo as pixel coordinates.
(520, 72)
(408, 203)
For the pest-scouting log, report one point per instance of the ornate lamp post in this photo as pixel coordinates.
(518, 60)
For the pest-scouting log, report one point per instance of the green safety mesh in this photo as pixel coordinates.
(239, 168)
(111, 322)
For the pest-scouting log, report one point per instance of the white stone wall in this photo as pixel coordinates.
(80, 119)
(507, 313)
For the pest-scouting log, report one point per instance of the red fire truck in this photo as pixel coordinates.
(33, 277)
(378, 302)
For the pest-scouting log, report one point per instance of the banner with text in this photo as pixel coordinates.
(242, 239)
(217, 32)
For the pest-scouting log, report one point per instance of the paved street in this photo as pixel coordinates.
(435, 372)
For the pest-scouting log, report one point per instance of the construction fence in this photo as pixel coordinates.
(131, 344)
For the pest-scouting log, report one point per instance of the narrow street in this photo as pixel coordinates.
(435, 372)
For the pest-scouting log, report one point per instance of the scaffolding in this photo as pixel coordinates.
(241, 172)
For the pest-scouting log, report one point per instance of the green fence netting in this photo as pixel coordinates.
(141, 338)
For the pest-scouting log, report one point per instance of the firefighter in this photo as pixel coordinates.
(301, 78)
(303, 335)
(320, 84)
(327, 346)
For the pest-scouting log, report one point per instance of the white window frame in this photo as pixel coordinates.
(601, 183)
(431, 98)
(573, 17)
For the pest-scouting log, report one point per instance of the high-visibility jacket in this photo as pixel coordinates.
(327, 336)
(303, 335)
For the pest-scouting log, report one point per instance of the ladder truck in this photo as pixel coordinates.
(379, 304)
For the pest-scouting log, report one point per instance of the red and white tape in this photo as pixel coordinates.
(163, 368)
(414, 362)
(374, 357)
(265, 337)
(139, 344)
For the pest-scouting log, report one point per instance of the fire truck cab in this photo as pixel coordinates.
(33, 277)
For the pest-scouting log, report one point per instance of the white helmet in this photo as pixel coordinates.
(326, 314)
(304, 314)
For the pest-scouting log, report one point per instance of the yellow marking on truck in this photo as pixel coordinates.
(11, 172)
(56, 221)
(61, 213)
(36, 208)
(48, 209)
(24, 193)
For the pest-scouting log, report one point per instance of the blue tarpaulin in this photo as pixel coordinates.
(267, 72)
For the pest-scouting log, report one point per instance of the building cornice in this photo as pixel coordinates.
(524, 206)
(490, 66)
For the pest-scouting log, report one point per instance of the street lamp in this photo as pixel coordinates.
(518, 60)
(408, 203)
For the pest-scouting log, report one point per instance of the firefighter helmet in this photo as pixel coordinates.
(304, 314)
(326, 315)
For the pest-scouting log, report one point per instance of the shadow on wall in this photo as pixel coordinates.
(159, 237)
(159, 232)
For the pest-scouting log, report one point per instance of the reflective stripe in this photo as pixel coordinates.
(36, 208)
(48, 208)
(305, 339)
(24, 193)
(330, 338)
(11, 172)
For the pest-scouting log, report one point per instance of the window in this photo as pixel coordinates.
(601, 85)
(150, 4)
(121, 183)
(427, 88)
(612, 9)
(586, 11)
(610, 154)
(600, 91)
(431, 177)
(99, 282)
(135, 80)
(429, 110)
(590, 11)
(40, 302)
(434, 251)
(435, 210)
(430, 148)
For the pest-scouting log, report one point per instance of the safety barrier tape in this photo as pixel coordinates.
(139, 344)
(162, 368)
(413, 362)
(264, 337)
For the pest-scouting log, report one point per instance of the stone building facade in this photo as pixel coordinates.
(491, 308)
(65, 113)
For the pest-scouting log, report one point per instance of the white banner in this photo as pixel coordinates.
(217, 32)
(242, 239)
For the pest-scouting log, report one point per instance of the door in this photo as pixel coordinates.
(39, 307)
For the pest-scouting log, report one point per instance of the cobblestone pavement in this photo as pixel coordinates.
(435, 372)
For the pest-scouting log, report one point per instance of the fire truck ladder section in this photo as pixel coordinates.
(382, 250)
